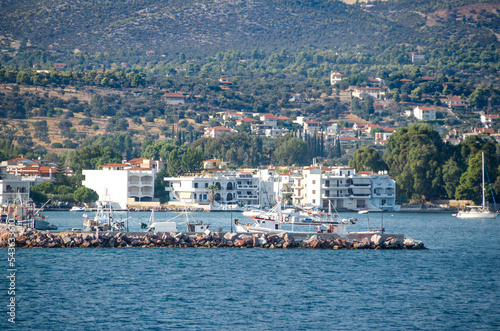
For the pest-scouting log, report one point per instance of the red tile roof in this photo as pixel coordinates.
(173, 95)
(246, 119)
(349, 138)
(137, 160)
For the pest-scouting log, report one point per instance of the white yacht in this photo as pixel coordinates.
(478, 212)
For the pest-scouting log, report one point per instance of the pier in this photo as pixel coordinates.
(28, 238)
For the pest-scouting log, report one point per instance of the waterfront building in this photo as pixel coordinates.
(343, 188)
(124, 184)
(214, 189)
(316, 186)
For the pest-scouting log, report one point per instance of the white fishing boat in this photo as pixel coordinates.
(478, 212)
(193, 225)
(103, 220)
(279, 221)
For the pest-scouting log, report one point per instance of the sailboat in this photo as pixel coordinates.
(478, 212)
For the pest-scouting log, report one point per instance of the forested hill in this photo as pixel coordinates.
(203, 27)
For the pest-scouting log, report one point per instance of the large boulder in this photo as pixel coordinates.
(376, 239)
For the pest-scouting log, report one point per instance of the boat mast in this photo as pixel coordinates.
(482, 167)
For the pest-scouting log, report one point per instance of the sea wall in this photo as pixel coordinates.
(27, 238)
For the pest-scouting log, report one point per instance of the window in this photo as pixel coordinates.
(314, 201)
(195, 185)
(206, 185)
(314, 191)
(314, 182)
(327, 193)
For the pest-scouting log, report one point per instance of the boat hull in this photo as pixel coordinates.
(482, 215)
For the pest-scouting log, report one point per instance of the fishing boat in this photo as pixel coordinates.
(24, 213)
(478, 212)
(193, 225)
(280, 221)
(103, 219)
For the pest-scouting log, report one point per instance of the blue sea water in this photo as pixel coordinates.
(452, 285)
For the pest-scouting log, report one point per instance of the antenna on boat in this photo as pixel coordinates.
(367, 219)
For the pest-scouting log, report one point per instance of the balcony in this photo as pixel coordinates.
(147, 182)
(247, 197)
(331, 196)
(241, 186)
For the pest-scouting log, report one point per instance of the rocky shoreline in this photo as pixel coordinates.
(27, 238)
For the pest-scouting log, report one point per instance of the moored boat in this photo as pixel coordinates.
(24, 213)
(478, 212)
(103, 219)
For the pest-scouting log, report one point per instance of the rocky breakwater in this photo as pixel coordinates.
(44, 239)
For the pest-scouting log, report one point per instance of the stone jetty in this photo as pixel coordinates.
(27, 238)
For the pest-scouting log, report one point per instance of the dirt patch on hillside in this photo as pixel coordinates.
(469, 11)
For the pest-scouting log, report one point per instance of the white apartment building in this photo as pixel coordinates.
(230, 187)
(318, 187)
(424, 113)
(344, 189)
(122, 184)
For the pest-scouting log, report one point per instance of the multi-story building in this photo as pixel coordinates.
(336, 76)
(339, 188)
(213, 190)
(342, 188)
(424, 113)
(123, 184)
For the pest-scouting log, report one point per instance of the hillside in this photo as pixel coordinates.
(204, 27)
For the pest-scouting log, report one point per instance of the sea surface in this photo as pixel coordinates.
(454, 285)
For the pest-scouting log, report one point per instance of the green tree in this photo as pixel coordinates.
(174, 163)
(451, 177)
(192, 160)
(367, 159)
(85, 194)
(289, 150)
(471, 182)
(414, 157)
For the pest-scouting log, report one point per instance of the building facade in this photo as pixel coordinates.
(214, 189)
(122, 184)
(339, 188)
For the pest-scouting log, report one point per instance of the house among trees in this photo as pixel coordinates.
(59, 65)
(456, 102)
(424, 113)
(336, 76)
(363, 92)
(488, 119)
(417, 58)
(218, 131)
(245, 120)
(173, 98)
